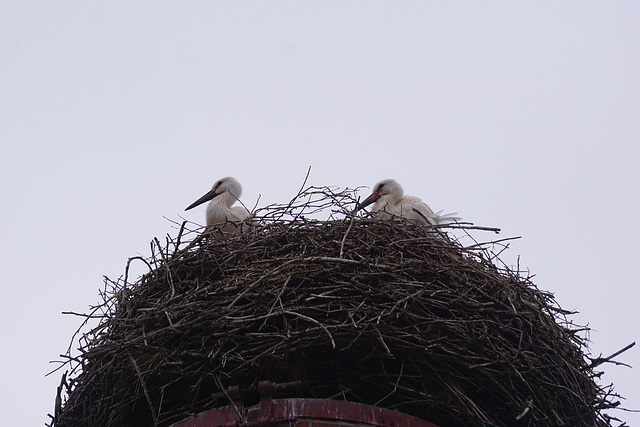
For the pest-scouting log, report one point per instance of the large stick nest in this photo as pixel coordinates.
(382, 312)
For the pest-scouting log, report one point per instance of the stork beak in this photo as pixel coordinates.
(366, 202)
(210, 195)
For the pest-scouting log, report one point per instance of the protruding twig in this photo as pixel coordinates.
(600, 360)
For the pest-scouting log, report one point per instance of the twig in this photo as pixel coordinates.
(144, 389)
(346, 233)
(600, 360)
(386, 348)
(166, 266)
(218, 382)
(312, 320)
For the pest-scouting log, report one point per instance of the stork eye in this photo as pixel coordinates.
(380, 187)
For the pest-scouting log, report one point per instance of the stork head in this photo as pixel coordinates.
(228, 185)
(386, 187)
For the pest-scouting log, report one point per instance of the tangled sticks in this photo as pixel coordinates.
(381, 312)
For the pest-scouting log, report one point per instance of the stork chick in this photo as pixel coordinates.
(224, 193)
(389, 200)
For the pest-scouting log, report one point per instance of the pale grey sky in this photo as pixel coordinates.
(523, 116)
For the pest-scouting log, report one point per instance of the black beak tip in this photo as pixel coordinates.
(210, 195)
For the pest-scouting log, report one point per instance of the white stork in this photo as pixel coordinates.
(389, 200)
(224, 193)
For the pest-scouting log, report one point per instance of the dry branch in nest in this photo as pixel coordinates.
(379, 312)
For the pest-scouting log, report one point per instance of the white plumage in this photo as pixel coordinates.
(389, 200)
(224, 193)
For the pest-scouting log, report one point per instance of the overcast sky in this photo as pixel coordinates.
(523, 116)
